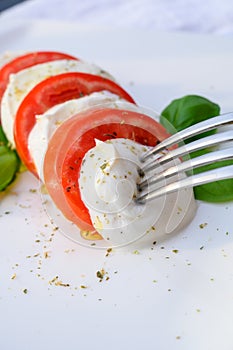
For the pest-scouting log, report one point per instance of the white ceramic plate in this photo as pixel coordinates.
(177, 294)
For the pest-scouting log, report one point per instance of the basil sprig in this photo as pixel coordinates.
(9, 162)
(187, 111)
(184, 112)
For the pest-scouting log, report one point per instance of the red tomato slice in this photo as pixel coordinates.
(26, 61)
(49, 92)
(75, 137)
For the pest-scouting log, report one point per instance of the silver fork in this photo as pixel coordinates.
(153, 185)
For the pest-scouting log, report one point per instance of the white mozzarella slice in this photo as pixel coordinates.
(107, 183)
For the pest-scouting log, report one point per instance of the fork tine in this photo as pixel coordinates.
(191, 181)
(211, 157)
(196, 129)
(205, 142)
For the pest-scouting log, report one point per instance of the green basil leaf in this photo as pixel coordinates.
(3, 139)
(215, 192)
(187, 111)
(9, 164)
(218, 191)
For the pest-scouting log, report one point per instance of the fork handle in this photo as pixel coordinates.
(191, 181)
(193, 130)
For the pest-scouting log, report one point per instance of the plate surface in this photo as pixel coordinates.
(176, 294)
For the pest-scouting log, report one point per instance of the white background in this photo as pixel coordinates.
(177, 294)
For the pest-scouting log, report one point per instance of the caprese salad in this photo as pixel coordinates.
(77, 130)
